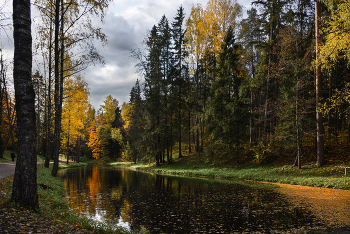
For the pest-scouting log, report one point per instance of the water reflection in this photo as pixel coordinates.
(161, 204)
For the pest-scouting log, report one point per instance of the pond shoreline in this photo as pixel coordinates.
(123, 190)
(330, 176)
(53, 215)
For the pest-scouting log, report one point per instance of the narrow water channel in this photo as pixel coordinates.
(164, 204)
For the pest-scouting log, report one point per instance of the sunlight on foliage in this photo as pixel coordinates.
(336, 32)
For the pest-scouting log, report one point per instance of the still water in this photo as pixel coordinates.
(163, 204)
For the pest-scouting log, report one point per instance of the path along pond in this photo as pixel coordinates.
(145, 202)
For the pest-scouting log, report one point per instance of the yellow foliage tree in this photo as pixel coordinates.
(219, 16)
(94, 143)
(336, 35)
(195, 33)
(108, 109)
(127, 112)
(336, 46)
(206, 27)
(75, 111)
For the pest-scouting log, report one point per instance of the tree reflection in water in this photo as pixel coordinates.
(163, 204)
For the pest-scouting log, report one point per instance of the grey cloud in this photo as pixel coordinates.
(119, 90)
(121, 35)
(126, 25)
(110, 80)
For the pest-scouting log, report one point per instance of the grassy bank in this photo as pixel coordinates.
(82, 161)
(53, 216)
(7, 157)
(330, 176)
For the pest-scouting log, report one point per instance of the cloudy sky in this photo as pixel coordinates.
(126, 24)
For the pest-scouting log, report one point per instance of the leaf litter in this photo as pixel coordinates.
(17, 219)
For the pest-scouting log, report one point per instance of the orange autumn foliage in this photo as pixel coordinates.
(95, 143)
(330, 205)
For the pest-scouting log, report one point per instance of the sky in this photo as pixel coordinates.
(126, 24)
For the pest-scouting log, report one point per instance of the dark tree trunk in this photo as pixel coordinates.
(297, 126)
(57, 94)
(171, 137)
(24, 189)
(78, 154)
(189, 132)
(68, 151)
(180, 136)
(2, 75)
(251, 119)
(197, 134)
(48, 126)
(266, 111)
(61, 70)
(319, 118)
(348, 139)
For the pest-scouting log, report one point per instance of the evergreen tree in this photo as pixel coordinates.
(272, 12)
(179, 70)
(294, 70)
(136, 130)
(165, 40)
(227, 113)
(250, 37)
(152, 91)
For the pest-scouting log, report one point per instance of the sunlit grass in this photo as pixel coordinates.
(82, 161)
(132, 165)
(330, 176)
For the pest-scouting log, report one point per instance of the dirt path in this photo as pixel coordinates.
(8, 169)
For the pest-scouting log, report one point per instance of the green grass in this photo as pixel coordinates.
(131, 164)
(82, 161)
(7, 156)
(40, 158)
(330, 176)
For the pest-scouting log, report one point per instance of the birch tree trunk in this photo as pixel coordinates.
(24, 189)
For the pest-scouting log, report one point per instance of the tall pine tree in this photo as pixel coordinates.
(179, 70)
(227, 112)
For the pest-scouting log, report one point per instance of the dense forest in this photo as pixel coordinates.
(238, 90)
(268, 86)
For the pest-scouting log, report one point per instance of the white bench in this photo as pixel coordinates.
(346, 169)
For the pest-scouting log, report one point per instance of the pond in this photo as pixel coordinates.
(144, 202)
